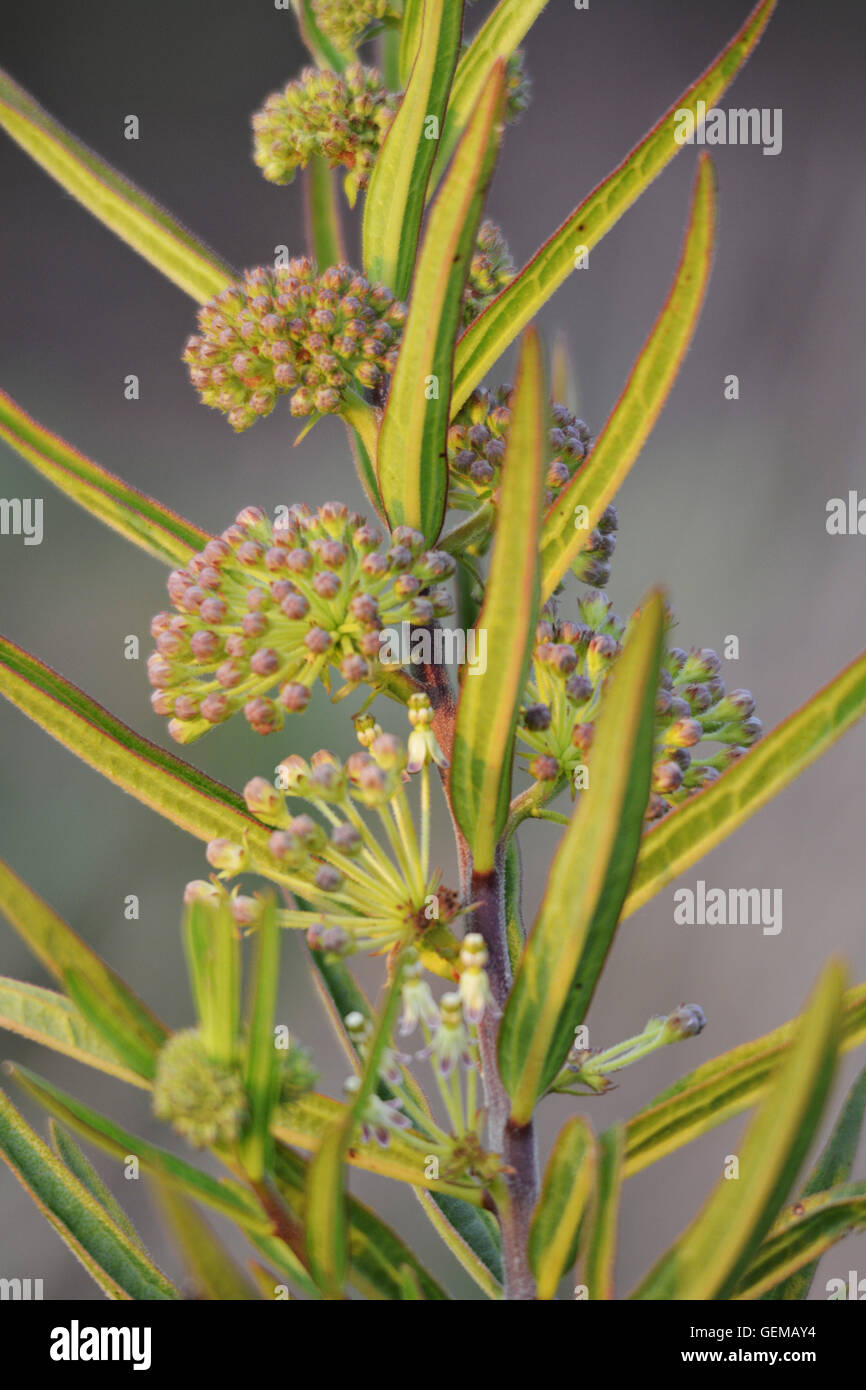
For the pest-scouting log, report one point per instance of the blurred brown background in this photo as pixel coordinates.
(726, 506)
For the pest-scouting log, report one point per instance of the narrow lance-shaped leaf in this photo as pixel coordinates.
(261, 1076)
(798, 1239)
(833, 1168)
(117, 1263)
(122, 207)
(487, 338)
(80, 1166)
(376, 1252)
(568, 1183)
(395, 197)
(227, 1198)
(703, 822)
(410, 32)
(138, 518)
(213, 959)
(646, 391)
(723, 1087)
(498, 37)
(712, 1254)
(213, 1271)
(468, 1237)
(63, 954)
(413, 449)
(588, 879)
(599, 1243)
(53, 1021)
(326, 1207)
(480, 777)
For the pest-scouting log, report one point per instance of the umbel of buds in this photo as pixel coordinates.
(341, 117)
(490, 270)
(570, 663)
(289, 330)
(344, 22)
(204, 1100)
(265, 610)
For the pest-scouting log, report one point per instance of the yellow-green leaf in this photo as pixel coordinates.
(568, 1181)
(723, 1087)
(214, 1273)
(707, 1261)
(54, 1021)
(140, 519)
(117, 1263)
(67, 958)
(261, 1076)
(413, 452)
(806, 1229)
(647, 389)
(599, 1243)
(588, 879)
(487, 338)
(480, 778)
(701, 823)
(497, 38)
(122, 207)
(398, 186)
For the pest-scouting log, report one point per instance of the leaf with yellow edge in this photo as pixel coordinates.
(702, 822)
(805, 1230)
(114, 200)
(568, 1182)
(647, 389)
(53, 1021)
(599, 1241)
(713, 1253)
(480, 777)
(487, 338)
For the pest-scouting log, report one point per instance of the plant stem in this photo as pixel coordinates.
(516, 1143)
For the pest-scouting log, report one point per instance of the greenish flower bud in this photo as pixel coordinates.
(203, 1101)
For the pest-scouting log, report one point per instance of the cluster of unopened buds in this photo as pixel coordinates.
(339, 117)
(449, 1027)
(289, 330)
(490, 270)
(570, 663)
(266, 610)
(587, 1070)
(346, 22)
(358, 895)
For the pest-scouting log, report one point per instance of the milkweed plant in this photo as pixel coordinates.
(463, 628)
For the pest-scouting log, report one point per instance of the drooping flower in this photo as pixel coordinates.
(341, 117)
(266, 610)
(288, 329)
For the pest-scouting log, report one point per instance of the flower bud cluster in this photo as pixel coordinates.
(342, 117)
(345, 22)
(570, 663)
(289, 329)
(268, 609)
(490, 270)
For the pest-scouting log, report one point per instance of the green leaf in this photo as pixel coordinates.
(324, 232)
(213, 954)
(80, 1166)
(117, 1263)
(326, 54)
(227, 1198)
(398, 185)
(410, 32)
(703, 822)
(140, 519)
(376, 1253)
(833, 1168)
(487, 338)
(713, 1253)
(723, 1087)
(599, 1243)
(65, 956)
(123, 208)
(326, 1205)
(175, 789)
(261, 1074)
(480, 778)
(568, 1182)
(214, 1273)
(309, 1120)
(646, 391)
(801, 1235)
(498, 38)
(54, 1021)
(101, 1014)
(469, 1238)
(573, 929)
(413, 441)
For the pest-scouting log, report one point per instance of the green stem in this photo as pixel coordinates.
(462, 535)
(322, 213)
